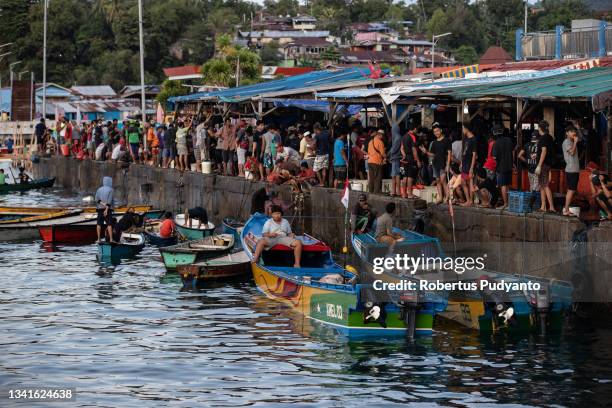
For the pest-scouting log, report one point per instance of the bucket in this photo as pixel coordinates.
(193, 166)
(356, 186)
(207, 167)
(65, 149)
(575, 211)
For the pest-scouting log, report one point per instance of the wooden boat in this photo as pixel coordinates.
(152, 236)
(413, 244)
(127, 247)
(485, 311)
(233, 226)
(194, 251)
(19, 212)
(234, 265)
(32, 185)
(78, 233)
(517, 311)
(353, 309)
(196, 231)
(29, 228)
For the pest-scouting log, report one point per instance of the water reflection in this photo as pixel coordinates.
(125, 335)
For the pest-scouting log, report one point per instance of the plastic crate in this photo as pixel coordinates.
(521, 201)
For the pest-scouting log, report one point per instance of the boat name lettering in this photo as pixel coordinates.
(334, 311)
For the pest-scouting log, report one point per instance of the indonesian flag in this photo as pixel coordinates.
(345, 196)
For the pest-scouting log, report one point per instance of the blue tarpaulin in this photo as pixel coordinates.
(309, 80)
(314, 105)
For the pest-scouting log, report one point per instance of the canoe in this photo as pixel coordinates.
(32, 185)
(23, 229)
(515, 311)
(233, 226)
(127, 247)
(197, 250)
(330, 294)
(79, 233)
(152, 236)
(413, 244)
(234, 265)
(39, 217)
(196, 231)
(19, 212)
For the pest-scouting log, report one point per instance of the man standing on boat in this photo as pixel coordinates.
(104, 207)
(277, 231)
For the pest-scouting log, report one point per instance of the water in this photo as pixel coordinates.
(127, 336)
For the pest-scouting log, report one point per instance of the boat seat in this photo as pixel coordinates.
(305, 248)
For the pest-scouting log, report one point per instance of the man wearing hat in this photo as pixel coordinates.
(502, 151)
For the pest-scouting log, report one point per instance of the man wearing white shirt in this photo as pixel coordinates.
(277, 231)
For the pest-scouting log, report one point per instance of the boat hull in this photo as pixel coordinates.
(228, 267)
(109, 251)
(69, 234)
(33, 185)
(183, 254)
(337, 309)
(155, 240)
(194, 233)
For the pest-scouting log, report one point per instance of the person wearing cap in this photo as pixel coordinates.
(529, 156)
(502, 151)
(362, 216)
(546, 148)
(377, 157)
(307, 149)
(292, 140)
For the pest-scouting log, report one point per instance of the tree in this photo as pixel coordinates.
(466, 55)
(216, 72)
(170, 89)
(270, 54)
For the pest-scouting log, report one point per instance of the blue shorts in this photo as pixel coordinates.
(437, 173)
(395, 168)
(167, 153)
(134, 147)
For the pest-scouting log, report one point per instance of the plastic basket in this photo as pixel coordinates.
(521, 201)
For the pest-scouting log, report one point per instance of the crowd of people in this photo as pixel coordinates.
(469, 163)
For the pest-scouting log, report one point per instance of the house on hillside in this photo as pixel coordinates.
(94, 91)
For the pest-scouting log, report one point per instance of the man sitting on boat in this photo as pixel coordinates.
(384, 227)
(362, 216)
(167, 229)
(23, 176)
(104, 207)
(129, 220)
(196, 213)
(277, 231)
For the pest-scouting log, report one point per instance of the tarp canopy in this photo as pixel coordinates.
(304, 81)
(313, 105)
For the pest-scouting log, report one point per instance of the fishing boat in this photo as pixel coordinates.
(412, 244)
(27, 227)
(152, 235)
(330, 294)
(128, 246)
(194, 251)
(20, 212)
(483, 310)
(234, 265)
(32, 185)
(233, 226)
(196, 230)
(78, 233)
(517, 309)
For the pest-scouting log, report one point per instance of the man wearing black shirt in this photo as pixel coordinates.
(502, 151)
(440, 152)
(260, 129)
(169, 143)
(410, 164)
(39, 131)
(546, 148)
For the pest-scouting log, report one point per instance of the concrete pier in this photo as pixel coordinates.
(533, 244)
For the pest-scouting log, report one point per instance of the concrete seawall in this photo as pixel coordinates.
(533, 244)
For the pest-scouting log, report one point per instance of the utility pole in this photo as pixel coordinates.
(142, 78)
(238, 71)
(526, 9)
(31, 96)
(44, 95)
(433, 48)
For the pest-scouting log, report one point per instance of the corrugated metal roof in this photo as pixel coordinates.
(349, 93)
(96, 90)
(309, 80)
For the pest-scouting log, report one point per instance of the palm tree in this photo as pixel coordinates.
(109, 8)
(216, 72)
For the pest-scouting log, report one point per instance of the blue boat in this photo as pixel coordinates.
(331, 294)
(413, 244)
(233, 226)
(128, 246)
(154, 239)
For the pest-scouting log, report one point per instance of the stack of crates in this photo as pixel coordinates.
(521, 201)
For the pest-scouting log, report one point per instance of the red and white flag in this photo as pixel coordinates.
(345, 196)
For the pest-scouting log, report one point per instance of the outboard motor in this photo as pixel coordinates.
(375, 313)
(408, 303)
(501, 311)
(540, 303)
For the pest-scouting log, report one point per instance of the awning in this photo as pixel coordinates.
(313, 105)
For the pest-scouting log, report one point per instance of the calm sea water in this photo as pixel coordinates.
(126, 336)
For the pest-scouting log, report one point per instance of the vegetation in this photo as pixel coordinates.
(96, 41)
